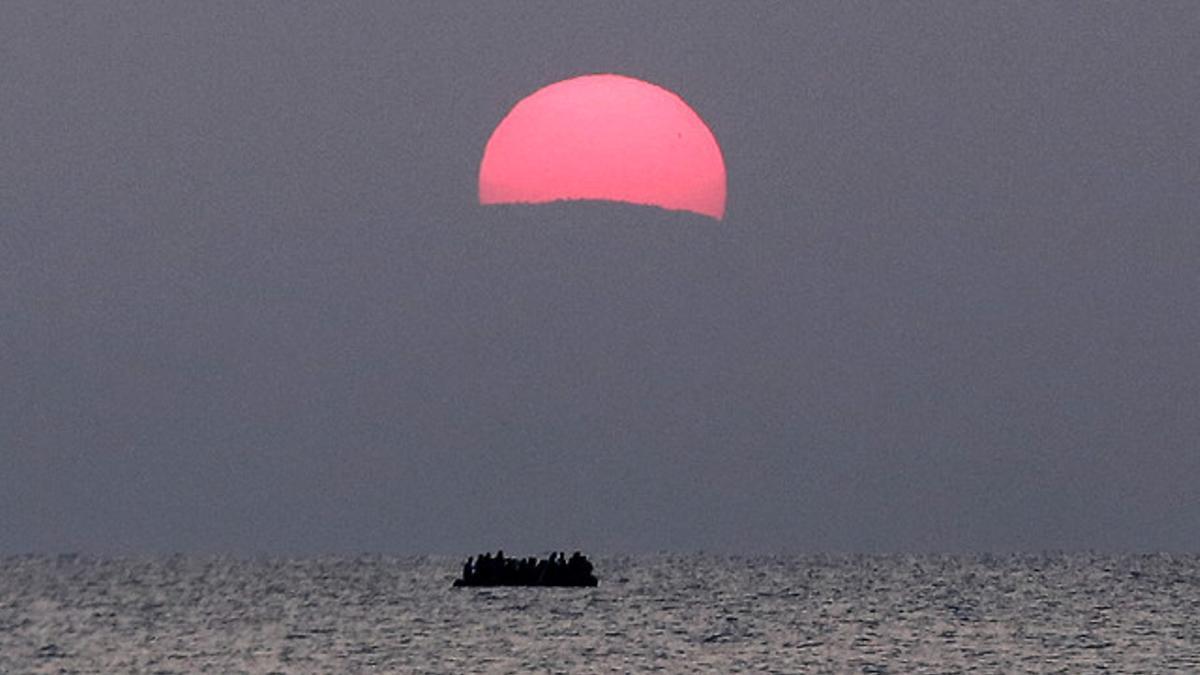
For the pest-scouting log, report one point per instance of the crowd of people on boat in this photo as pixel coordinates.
(497, 570)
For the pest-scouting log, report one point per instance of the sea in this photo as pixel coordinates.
(1066, 613)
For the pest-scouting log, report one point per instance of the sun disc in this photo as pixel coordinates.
(604, 137)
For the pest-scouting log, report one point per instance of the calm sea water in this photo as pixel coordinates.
(1067, 613)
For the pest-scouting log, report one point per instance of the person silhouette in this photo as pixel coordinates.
(483, 569)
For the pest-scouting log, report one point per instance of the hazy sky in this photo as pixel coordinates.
(248, 302)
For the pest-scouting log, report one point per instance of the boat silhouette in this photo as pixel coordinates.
(498, 570)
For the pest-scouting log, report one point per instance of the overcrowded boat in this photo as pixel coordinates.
(556, 570)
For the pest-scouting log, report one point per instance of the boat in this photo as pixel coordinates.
(556, 570)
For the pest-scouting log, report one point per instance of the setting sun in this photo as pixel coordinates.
(605, 137)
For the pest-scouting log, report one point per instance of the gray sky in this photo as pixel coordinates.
(248, 302)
